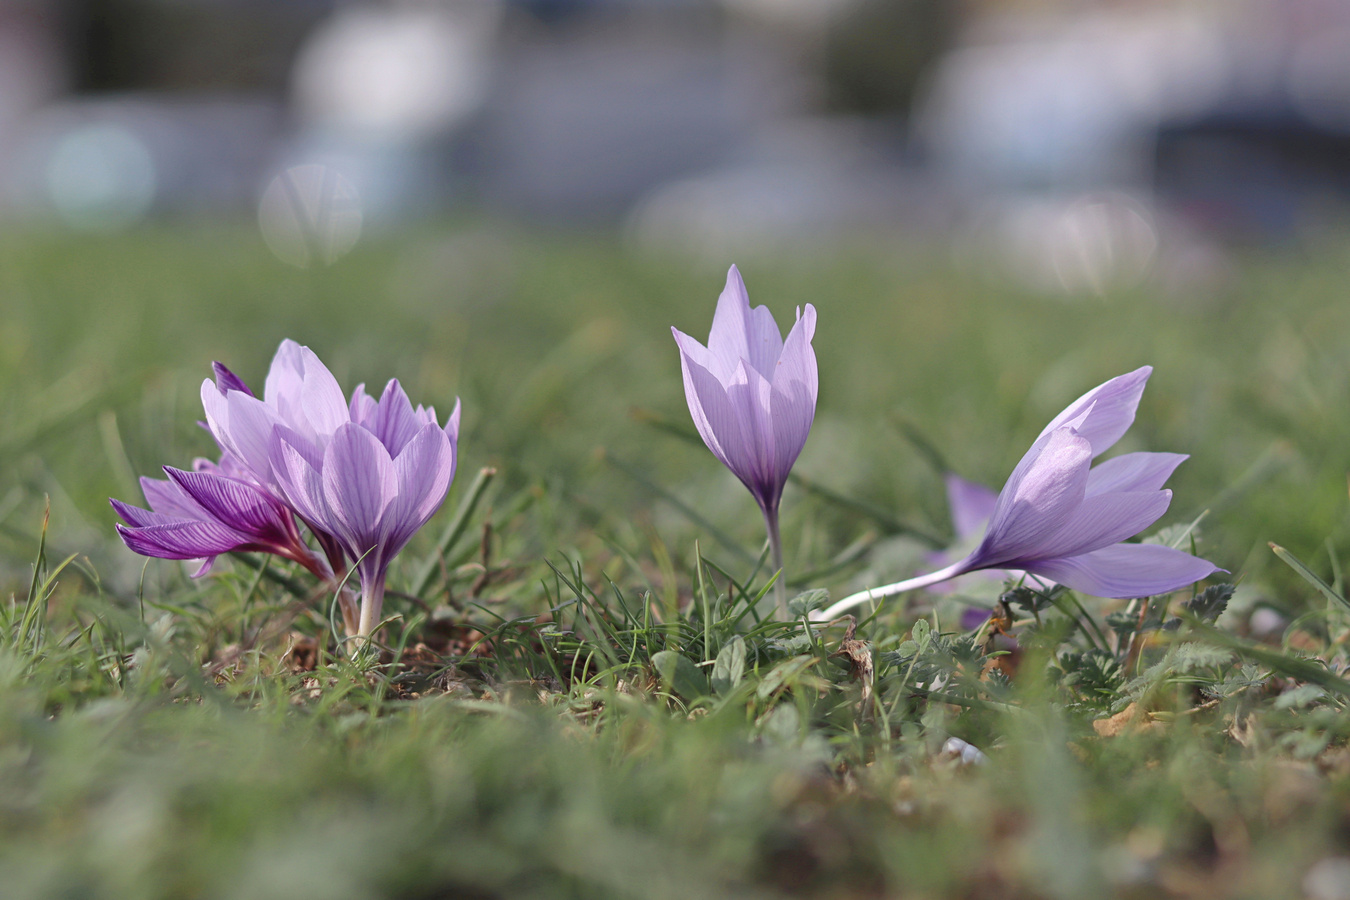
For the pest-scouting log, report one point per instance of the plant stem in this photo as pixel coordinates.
(776, 551)
(888, 590)
(372, 604)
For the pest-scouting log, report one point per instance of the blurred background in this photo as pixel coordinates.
(1073, 144)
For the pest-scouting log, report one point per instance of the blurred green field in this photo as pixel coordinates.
(157, 739)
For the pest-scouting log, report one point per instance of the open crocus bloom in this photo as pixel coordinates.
(371, 482)
(1062, 519)
(363, 475)
(752, 395)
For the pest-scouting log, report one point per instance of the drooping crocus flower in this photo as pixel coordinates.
(752, 396)
(1060, 518)
(208, 511)
(371, 482)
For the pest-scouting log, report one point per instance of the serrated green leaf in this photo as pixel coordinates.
(679, 674)
(729, 668)
(922, 633)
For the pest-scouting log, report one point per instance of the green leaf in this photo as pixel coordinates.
(922, 633)
(803, 603)
(679, 674)
(729, 668)
(1310, 576)
(781, 674)
(1210, 603)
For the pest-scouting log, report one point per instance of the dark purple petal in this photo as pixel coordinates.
(1127, 570)
(228, 381)
(238, 505)
(138, 518)
(168, 498)
(182, 540)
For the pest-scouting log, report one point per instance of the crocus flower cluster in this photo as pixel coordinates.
(752, 395)
(362, 475)
(1060, 518)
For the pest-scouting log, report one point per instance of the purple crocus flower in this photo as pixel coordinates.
(752, 396)
(372, 481)
(1062, 519)
(208, 511)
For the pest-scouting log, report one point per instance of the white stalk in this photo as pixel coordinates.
(888, 590)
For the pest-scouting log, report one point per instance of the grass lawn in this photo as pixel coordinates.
(579, 695)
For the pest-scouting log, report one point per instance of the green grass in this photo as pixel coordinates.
(578, 697)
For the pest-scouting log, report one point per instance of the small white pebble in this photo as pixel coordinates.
(1328, 879)
(967, 753)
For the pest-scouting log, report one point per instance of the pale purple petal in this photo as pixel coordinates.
(362, 406)
(359, 483)
(168, 498)
(972, 505)
(1113, 406)
(324, 406)
(1104, 520)
(749, 396)
(394, 422)
(285, 378)
(710, 409)
(1127, 570)
(424, 470)
(1046, 496)
(795, 386)
(1133, 472)
(741, 333)
(451, 425)
(300, 481)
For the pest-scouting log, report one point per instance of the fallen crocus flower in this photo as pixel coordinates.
(752, 396)
(1061, 519)
(206, 512)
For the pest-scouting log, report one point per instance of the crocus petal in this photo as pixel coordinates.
(972, 505)
(710, 409)
(1127, 570)
(795, 387)
(242, 425)
(394, 421)
(359, 483)
(324, 406)
(1103, 520)
(424, 470)
(362, 406)
(739, 332)
(299, 479)
(237, 505)
(168, 498)
(1046, 496)
(182, 540)
(228, 381)
(1133, 472)
(285, 377)
(1113, 406)
(749, 395)
(451, 425)
(140, 518)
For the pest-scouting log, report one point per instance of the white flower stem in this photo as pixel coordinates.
(372, 604)
(889, 590)
(776, 552)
